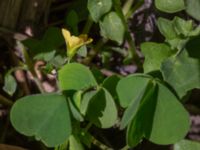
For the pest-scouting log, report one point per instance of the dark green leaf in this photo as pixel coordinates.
(45, 49)
(72, 21)
(193, 47)
(45, 116)
(110, 84)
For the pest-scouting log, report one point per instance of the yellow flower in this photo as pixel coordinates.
(74, 42)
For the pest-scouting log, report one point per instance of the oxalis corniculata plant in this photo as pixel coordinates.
(151, 100)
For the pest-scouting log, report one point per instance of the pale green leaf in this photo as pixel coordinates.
(98, 8)
(75, 76)
(112, 27)
(193, 8)
(166, 28)
(187, 145)
(170, 6)
(182, 73)
(10, 84)
(155, 54)
(74, 143)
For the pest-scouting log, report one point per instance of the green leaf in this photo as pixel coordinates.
(112, 27)
(170, 6)
(98, 75)
(187, 145)
(75, 76)
(155, 54)
(102, 110)
(98, 8)
(85, 138)
(169, 118)
(85, 101)
(161, 118)
(137, 127)
(129, 88)
(72, 21)
(82, 51)
(182, 26)
(45, 116)
(75, 112)
(193, 8)
(110, 84)
(182, 73)
(166, 28)
(74, 143)
(131, 111)
(193, 47)
(10, 84)
(45, 48)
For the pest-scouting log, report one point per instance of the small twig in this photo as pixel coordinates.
(130, 40)
(30, 66)
(126, 147)
(88, 25)
(5, 101)
(100, 144)
(94, 51)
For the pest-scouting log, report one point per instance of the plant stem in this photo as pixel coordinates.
(126, 147)
(87, 26)
(30, 66)
(132, 10)
(94, 51)
(100, 145)
(130, 40)
(5, 101)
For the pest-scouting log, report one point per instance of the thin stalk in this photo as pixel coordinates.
(126, 147)
(100, 144)
(127, 6)
(5, 129)
(130, 40)
(5, 101)
(94, 51)
(132, 10)
(88, 25)
(30, 66)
